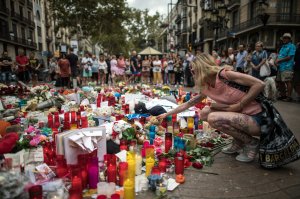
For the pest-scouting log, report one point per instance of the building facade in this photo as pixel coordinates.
(17, 26)
(247, 21)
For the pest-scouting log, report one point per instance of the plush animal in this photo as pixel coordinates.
(157, 123)
(139, 132)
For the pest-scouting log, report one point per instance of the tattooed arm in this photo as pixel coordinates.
(195, 100)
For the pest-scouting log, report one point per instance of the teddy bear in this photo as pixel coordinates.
(140, 134)
(160, 130)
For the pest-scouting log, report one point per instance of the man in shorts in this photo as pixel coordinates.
(285, 63)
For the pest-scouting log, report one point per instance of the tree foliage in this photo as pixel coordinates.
(110, 23)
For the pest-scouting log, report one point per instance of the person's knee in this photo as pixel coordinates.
(212, 119)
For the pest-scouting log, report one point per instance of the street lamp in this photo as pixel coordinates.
(12, 35)
(216, 16)
(264, 17)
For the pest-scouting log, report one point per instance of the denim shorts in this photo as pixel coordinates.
(258, 118)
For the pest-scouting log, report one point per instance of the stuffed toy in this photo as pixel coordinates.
(140, 134)
(160, 130)
(118, 129)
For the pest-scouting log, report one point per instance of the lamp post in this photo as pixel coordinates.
(264, 17)
(12, 35)
(216, 17)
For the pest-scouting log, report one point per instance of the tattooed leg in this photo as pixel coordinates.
(240, 126)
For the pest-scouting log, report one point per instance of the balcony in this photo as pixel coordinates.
(18, 41)
(178, 32)
(208, 35)
(4, 10)
(178, 19)
(233, 4)
(275, 19)
(16, 16)
(185, 30)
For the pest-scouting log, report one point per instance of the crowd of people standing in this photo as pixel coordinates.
(279, 69)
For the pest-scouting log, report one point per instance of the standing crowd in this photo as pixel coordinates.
(280, 70)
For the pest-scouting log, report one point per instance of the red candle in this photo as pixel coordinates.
(115, 196)
(82, 161)
(174, 118)
(179, 165)
(155, 170)
(50, 120)
(101, 197)
(36, 192)
(162, 165)
(78, 120)
(74, 194)
(56, 120)
(123, 166)
(61, 166)
(112, 173)
(67, 117)
(168, 142)
(73, 117)
(84, 122)
(123, 145)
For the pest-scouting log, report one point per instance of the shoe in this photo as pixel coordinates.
(249, 152)
(235, 147)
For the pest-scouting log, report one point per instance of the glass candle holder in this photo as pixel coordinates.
(101, 197)
(149, 165)
(150, 151)
(50, 120)
(123, 167)
(93, 172)
(102, 188)
(112, 173)
(36, 192)
(179, 165)
(168, 142)
(162, 164)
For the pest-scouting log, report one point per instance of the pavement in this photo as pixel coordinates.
(233, 179)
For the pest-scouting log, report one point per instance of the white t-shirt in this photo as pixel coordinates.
(170, 65)
(85, 60)
(157, 66)
(102, 65)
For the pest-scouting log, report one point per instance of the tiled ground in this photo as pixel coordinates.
(239, 180)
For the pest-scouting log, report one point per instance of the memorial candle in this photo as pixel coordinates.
(112, 173)
(123, 167)
(50, 120)
(93, 172)
(168, 142)
(179, 165)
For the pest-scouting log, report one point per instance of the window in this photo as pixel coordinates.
(39, 30)
(21, 11)
(3, 3)
(30, 34)
(253, 9)
(38, 16)
(29, 15)
(23, 33)
(40, 46)
(3, 28)
(285, 9)
(235, 18)
(12, 7)
(15, 31)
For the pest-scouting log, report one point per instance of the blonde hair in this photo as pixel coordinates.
(204, 66)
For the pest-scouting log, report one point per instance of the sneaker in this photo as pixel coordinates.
(235, 147)
(249, 152)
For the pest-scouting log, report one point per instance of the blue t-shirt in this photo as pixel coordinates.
(257, 57)
(286, 50)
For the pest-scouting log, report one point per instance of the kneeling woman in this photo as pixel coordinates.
(235, 112)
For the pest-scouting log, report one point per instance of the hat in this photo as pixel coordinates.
(287, 35)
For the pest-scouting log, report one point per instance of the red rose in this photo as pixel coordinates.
(197, 165)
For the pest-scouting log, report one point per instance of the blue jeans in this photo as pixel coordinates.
(5, 77)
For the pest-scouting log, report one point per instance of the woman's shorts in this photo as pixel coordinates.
(258, 118)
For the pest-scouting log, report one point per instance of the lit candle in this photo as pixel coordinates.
(190, 121)
(138, 163)
(112, 173)
(179, 165)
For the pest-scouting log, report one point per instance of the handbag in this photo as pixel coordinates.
(265, 70)
(278, 145)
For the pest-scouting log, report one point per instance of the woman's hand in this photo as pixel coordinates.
(234, 108)
(162, 116)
